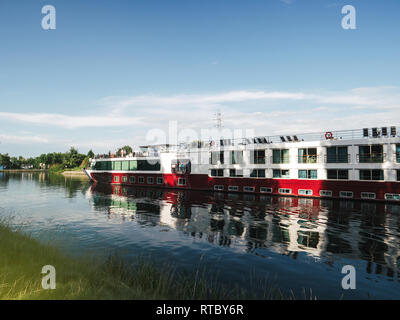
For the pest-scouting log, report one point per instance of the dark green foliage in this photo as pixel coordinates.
(57, 161)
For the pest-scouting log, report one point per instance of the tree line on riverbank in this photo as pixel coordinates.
(56, 160)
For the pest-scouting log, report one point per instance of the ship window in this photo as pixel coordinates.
(237, 157)
(160, 180)
(235, 172)
(219, 188)
(125, 165)
(307, 174)
(398, 175)
(141, 179)
(221, 157)
(257, 173)
(116, 165)
(150, 180)
(278, 173)
(102, 165)
(109, 178)
(259, 156)
(248, 189)
(346, 194)
(373, 153)
(397, 152)
(181, 166)
(133, 165)
(216, 156)
(337, 155)
(280, 156)
(307, 155)
(233, 188)
(217, 172)
(132, 179)
(371, 175)
(325, 193)
(265, 190)
(181, 181)
(116, 179)
(285, 191)
(149, 165)
(368, 195)
(304, 192)
(335, 174)
(124, 178)
(213, 157)
(139, 165)
(392, 196)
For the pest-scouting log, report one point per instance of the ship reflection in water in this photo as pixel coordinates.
(329, 233)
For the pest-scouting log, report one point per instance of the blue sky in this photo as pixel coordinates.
(113, 70)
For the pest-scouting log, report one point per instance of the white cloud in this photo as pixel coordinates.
(266, 112)
(355, 97)
(4, 138)
(71, 122)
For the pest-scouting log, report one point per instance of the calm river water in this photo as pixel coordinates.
(296, 243)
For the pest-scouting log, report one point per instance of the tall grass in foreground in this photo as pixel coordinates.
(22, 259)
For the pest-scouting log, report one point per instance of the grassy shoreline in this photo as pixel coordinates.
(22, 259)
(24, 170)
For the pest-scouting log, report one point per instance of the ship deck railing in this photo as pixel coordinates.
(339, 135)
(356, 134)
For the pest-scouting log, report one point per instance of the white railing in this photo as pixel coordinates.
(316, 136)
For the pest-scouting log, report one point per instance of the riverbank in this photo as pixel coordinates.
(23, 257)
(75, 174)
(24, 170)
(70, 173)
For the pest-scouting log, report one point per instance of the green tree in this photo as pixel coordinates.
(5, 161)
(73, 158)
(90, 154)
(15, 163)
(124, 150)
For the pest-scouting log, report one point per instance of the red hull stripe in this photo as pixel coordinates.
(289, 187)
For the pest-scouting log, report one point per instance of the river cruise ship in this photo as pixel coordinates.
(359, 164)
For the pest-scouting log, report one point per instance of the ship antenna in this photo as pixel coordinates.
(218, 120)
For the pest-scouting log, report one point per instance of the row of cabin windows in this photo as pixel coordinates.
(150, 180)
(364, 195)
(336, 154)
(365, 174)
(245, 189)
(308, 192)
(218, 157)
(128, 165)
(371, 175)
(332, 174)
(260, 173)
